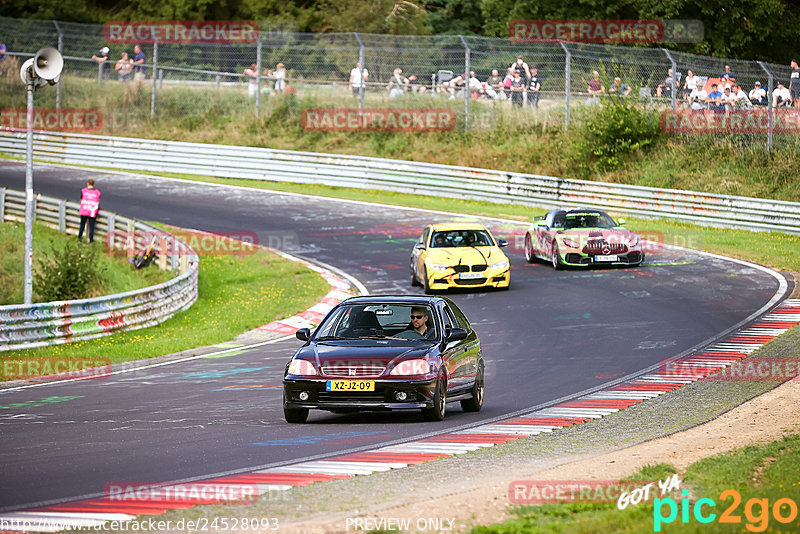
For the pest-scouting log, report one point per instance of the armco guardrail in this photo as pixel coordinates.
(52, 323)
(408, 177)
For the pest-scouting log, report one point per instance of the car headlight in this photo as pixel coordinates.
(571, 243)
(302, 368)
(416, 366)
(499, 265)
(438, 266)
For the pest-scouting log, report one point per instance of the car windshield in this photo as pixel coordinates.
(461, 238)
(588, 219)
(381, 320)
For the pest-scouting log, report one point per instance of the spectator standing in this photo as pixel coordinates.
(727, 77)
(124, 67)
(139, 70)
(794, 84)
(758, 95)
(101, 57)
(781, 97)
(507, 81)
(90, 205)
(714, 100)
(595, 88)
(534, 87)
(358, 78)
(520, 66)
(280, 78)
(517, 87)
(3, 51)
(397, 83)
(252, 73)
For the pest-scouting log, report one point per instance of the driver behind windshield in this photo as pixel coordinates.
(418, 327)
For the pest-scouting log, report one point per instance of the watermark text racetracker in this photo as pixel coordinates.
(237, 243)
(52, 119)
(151, 524)
(55, 368)
(181, 31)
(378, 120)
(731, 121)
(606, 31)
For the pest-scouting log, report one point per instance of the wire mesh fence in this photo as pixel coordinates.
(472, 78)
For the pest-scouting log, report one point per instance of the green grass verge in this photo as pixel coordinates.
(772, 249)
(765, 473)
(118, 275)
(236, 294)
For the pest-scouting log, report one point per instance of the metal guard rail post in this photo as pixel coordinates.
(725, 211)
(53, 323)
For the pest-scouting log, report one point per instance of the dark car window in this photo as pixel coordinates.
(588, 219)
(461, 238)
(559, 220)
(425, 233)
(358, 321)
(460, 317)
(448, 321)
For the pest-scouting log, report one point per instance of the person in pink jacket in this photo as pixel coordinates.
(90, 205)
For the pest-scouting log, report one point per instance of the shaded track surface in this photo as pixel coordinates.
(552, 334)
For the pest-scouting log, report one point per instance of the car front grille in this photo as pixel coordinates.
(461, 268)
(478, 268)
(470, 281)
(353, 370)
(604, 247)
(330, 396)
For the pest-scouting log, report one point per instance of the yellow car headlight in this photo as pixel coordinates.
(499, 265)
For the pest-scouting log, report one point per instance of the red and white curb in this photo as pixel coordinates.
(736, 346)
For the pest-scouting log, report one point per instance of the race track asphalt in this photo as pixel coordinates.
(551, 335)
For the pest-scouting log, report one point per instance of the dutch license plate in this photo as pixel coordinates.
(610, 257)
(350, 385)
(469, 276)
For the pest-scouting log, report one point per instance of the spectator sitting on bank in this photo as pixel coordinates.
(619, 88)
(494, 85)
(534, 87)
(124, 67)
(781, 97)
(758, 95)
(252, 73)
(665, 89)
(714, 100)
(508, 80)
(727, 76)
(698, 99)
(454, 84)
(728, 101)
(595, 88)
(3, 51)
(475, 85)
(690, 83)
(397, 83)
(740, 98)
(280, 78)
(414, 86)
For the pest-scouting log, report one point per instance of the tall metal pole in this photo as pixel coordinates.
(155, 80)
(674, 93)
(258, 75)
(61, 50)
(567, 76)
(467, 90)
(769, 103)
(361, 85)
(28, 268)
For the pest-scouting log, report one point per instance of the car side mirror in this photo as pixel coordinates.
(502, 243)
(419, 246)
(304, 334)
(455, 334)
(620, 222)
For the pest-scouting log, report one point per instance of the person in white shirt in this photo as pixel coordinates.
(698, 99)
(740, 98)
(280, 78)
(356, 78)
(758, 95)
(728, 100)
(690, 83)
(781, 97)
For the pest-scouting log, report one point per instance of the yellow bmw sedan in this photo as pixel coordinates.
(462, 255)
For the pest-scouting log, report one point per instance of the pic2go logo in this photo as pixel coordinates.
(756, 511)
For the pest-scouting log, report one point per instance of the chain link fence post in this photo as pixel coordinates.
(155, 81)
(567, 81)
(467, 89)
(674, 92)
(258, 74)
(361, 83)
(770, 81)
(61, 51)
